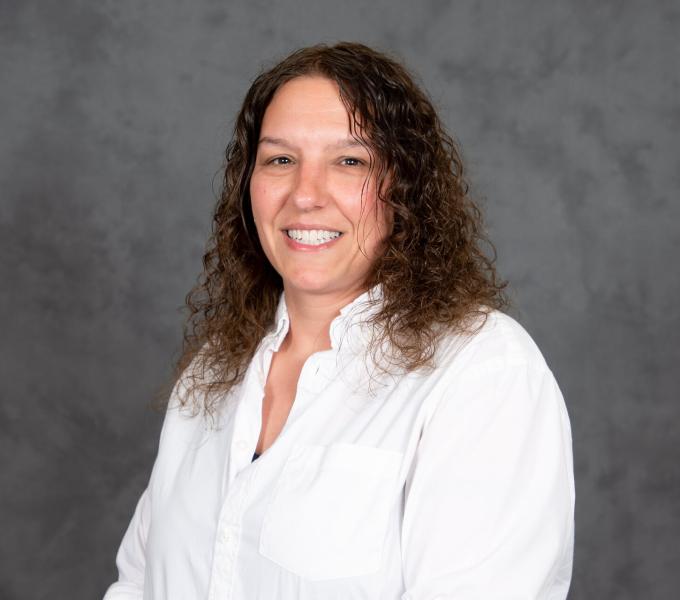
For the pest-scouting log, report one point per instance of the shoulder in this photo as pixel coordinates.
(497, 375)
(496, 342)
(499, 364)
(186, 415)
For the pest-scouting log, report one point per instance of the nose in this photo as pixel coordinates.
(309, 189)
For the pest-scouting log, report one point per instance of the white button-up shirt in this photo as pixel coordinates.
(454, 483)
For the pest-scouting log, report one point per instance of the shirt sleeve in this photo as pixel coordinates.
(489, 505)
(131, 557)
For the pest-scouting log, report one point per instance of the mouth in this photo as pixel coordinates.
(312, 237)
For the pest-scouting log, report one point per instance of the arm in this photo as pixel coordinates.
(489, 505)
(131, 559)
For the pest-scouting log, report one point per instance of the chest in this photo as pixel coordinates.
(279, 395)
(318, 505)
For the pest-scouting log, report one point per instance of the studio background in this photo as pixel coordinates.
(113, 119)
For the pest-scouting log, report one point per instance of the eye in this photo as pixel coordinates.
(279, 160)
(352, 162)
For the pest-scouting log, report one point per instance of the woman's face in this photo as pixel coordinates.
(313, 198)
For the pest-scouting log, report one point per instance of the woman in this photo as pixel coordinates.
(355, 417)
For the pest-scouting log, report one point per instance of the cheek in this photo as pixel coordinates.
(262, 214)
(258, 197)
(267, 197)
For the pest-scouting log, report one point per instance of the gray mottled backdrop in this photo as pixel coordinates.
(113, 119)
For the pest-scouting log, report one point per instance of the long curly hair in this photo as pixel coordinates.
(434, 272)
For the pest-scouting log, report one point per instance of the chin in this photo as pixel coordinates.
(320, 285)
(309, 286)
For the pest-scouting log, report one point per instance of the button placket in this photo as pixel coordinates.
(311, 377)
(227, 540)
(247, 423)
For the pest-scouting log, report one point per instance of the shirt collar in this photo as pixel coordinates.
(345, 325)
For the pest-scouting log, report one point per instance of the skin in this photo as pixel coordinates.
(310, 171)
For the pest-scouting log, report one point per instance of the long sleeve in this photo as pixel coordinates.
(489, 507)
(131, 559)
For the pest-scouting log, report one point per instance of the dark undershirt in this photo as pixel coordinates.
(255, 456)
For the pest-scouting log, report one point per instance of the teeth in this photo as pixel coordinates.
(312, 237)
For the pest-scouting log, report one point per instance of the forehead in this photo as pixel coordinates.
(304, 101)
(308, 110)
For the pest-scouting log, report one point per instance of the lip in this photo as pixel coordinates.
(310, 227)
(298, 246)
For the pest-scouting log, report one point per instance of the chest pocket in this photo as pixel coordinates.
(330, 510)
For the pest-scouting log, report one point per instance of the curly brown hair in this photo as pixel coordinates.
(433, 271)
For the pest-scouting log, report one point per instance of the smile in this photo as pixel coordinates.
(312, 237)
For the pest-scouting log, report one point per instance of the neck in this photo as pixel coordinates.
(310, 318)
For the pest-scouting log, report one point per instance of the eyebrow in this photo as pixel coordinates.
(345, 143)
